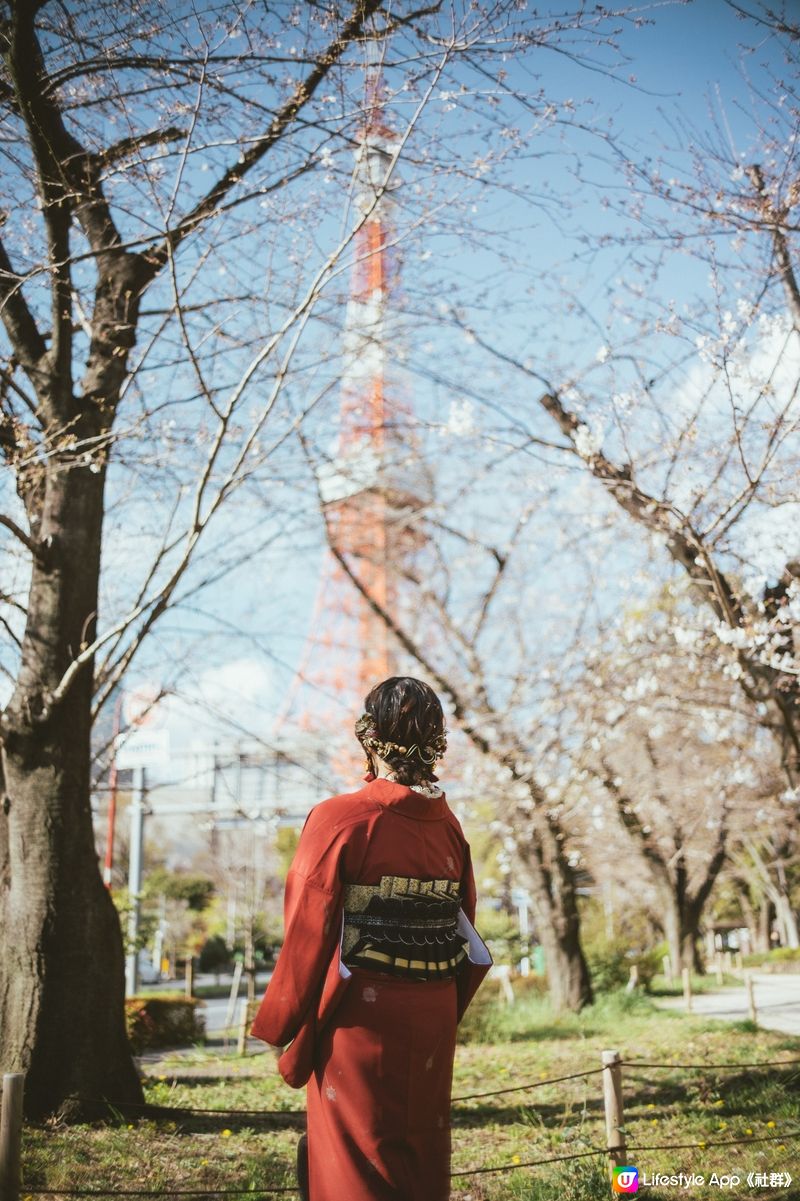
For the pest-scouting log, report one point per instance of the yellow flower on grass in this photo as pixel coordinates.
(203, 1163)
(515, 1159)
(226, 1134)
(748, 1130)
(722, 1126)
(701, 1146)
(719, 1102)
(781, 1147)
(651, 1105)
(543, 1075)
(654, 1121)
(770, 1125)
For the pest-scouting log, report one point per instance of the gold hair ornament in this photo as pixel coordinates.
(367, 735)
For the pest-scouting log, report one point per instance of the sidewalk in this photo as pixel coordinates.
(777, 1000)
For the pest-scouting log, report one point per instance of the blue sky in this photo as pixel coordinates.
(504, 251)
(687, 67)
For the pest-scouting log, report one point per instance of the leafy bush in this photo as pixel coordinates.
(490, 1017)
(500, 932)
(214, 955)
(164, 1021)
(610, 965)
(780, 959)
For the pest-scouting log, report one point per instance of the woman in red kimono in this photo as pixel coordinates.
(379, 962)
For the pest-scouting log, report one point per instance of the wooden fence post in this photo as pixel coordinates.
(751, 998)
(503, 973)
(612, 1102)
(667, 965)
(11, 1136)
(244, 1013)
(687, 988)
(190, 976)
(230, 1012)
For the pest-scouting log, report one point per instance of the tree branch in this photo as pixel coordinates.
(713, 867)
(137, 142)
(779, 242)
(28, 344)
(362, 11)
(26, 540)
(631, 822)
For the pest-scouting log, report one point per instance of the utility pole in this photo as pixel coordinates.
(138, 810)
(158, 949)
(214, 836)
(112, 795)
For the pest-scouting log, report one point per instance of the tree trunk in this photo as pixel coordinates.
(786, 916)
(787, 922)
(62, 973)
(568, 978)
(555, 910)
(681, 930)
(748, 913)
(765, 925)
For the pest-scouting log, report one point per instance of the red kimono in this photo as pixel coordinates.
(378, 964)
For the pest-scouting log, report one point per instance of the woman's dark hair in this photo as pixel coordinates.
(407, 719)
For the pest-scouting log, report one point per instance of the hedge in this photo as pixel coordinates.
(169, 1020)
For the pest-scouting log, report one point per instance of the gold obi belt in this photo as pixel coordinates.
(404, 927)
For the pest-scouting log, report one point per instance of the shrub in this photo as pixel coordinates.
(610, 965)
(214, 955)
(163, 1021)
(500, 932)
(779, 959)
(490, 1018)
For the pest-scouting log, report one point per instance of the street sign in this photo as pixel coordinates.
(140, 706)
(143, 747)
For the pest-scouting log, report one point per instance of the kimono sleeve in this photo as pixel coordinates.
(312, 913)
(468, 890)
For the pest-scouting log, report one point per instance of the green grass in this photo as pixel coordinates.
(779, 959)
(528, 1044)
(661, 987)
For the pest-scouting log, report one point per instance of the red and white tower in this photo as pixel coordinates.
(374, 484)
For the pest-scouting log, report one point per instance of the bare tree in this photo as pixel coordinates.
(141, 398)
(687, 414)
(453, 638)
(112, 116)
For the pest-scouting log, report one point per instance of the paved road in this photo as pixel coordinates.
(777, 1003)
(214, 1009)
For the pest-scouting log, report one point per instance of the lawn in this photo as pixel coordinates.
(528, 1045)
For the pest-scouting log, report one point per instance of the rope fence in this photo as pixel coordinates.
(616, 1149)
(516, 1088)
(767, 1063)
(153, 1192)
(154, 1108)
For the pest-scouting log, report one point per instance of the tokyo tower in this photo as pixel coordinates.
(374, 485)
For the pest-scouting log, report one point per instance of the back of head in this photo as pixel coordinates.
(403, 725)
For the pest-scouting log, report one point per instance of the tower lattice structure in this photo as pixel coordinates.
(375, 483)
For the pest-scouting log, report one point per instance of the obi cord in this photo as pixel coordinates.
(404, 927)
